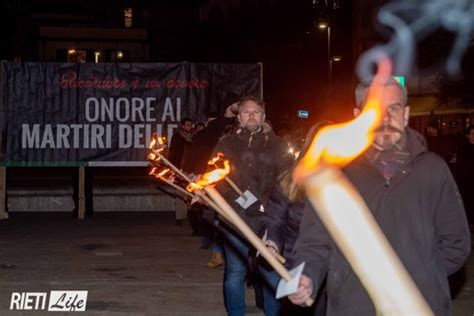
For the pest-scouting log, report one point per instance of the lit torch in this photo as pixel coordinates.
(224, 209)
(161, 175)
(213, 162)
(155, 157)
(157, 146)
(210, 177)
(216, 175)
(346, 216)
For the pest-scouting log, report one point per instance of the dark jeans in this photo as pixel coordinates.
(209, 229)
(236, 251)
(270, 280)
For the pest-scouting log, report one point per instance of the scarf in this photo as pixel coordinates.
(389, 162)
(187, 136)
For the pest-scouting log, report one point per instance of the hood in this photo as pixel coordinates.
(266, 128)
(265, 131)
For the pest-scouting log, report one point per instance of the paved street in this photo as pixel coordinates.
(131, 264)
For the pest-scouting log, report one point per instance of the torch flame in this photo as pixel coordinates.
(152, 172)
(210, 177)
(151, 156)
(193, 186)
(163, 172)
(152, 143)
(161, 140)
(154, 140)
(341, 143)
(215, 159)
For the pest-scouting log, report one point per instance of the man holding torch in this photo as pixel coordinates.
(413, 198)
(257, 157)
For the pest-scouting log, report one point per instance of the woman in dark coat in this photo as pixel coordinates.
(281, 222)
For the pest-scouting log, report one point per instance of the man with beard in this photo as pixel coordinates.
(257, 157)
(414, 199)
(181, 139)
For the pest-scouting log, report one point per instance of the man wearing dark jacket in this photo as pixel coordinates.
(414, 199)
(257, 157)
(180, 141)
(195, 161)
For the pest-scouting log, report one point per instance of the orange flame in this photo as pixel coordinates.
(154, 140)
(152, 172)
(163, 172)
(341, 143)
(210, 177)
(152, 143)
(151, 156)
(161, 140)
(215, 159)
(193, 186)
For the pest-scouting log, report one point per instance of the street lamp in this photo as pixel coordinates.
(333, 59)
(323, 26)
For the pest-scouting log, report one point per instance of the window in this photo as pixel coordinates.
(81, 56)
(71, 56)
(74, 55)
(119, 56)
(97, 57)
(128, 17)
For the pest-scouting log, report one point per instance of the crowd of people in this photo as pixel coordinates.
(409, 189)
(456, 148)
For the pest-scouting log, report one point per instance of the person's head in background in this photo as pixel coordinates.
(432, 129)
(293, 191)
(470, 134)
(455, 128)
(186, 125)
(395, 115)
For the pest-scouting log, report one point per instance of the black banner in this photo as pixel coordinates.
(68, 113)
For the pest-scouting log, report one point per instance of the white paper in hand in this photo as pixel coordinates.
(194, 199)
(264, 238)
(247, 201)
(286, 288)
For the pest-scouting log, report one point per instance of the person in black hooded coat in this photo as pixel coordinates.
(281, 222)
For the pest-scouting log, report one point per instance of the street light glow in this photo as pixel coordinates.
(323, 25)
